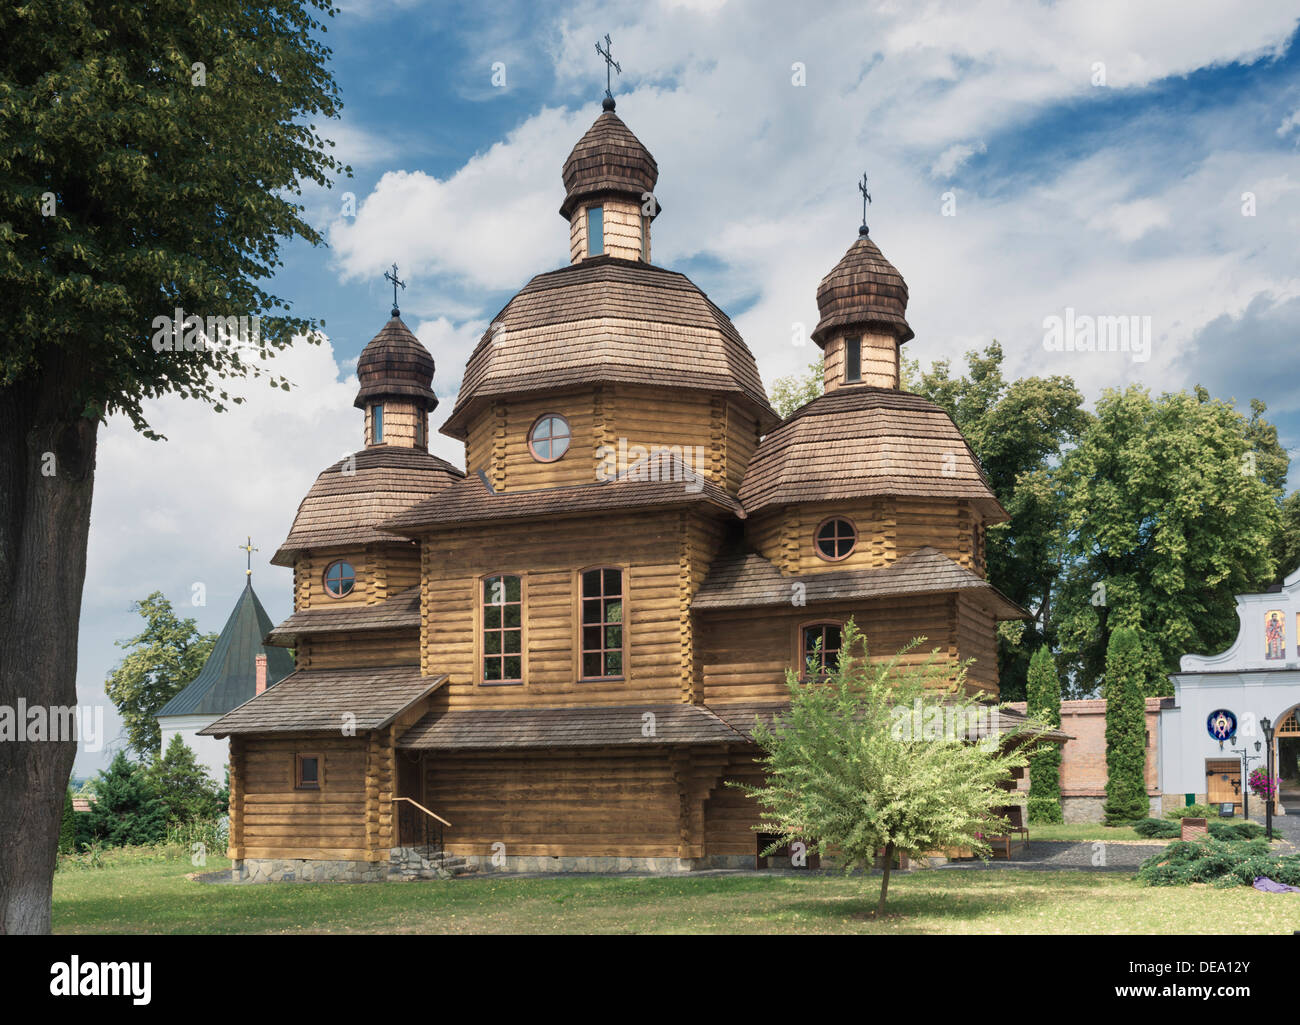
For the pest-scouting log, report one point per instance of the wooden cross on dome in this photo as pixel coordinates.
(250, 548)
(396, 284)
(866, 198)
(610, 62)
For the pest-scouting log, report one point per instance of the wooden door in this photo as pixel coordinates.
(1223, 781)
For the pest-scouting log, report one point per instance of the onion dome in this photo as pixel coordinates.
(865, 442)
(608, 320)
(864, 290)
(395, 365)
(608, 160)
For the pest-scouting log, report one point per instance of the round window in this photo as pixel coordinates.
(549, 438)
(836, 539)
(340, 578)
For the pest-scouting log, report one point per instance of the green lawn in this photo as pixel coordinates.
(131, 895)
(1085, 832)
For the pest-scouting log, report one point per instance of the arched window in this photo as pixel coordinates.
(819, 649)
(602, 624)
(503, 629)
(340, 578)
(548, 439)
(835, 538)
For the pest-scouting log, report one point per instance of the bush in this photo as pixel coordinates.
(1194, 811)
(1158, 828)
(1219, 863)
(126, 810)
(1236, 830)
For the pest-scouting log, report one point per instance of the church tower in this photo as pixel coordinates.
(396, 375)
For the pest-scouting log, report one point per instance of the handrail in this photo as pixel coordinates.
(422, 808)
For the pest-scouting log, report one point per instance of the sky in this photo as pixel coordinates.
(1024, 160)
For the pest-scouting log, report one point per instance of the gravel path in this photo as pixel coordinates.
(1057, 855)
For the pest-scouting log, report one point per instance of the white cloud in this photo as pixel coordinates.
(954, 158)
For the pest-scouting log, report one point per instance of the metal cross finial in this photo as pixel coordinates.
(396, 284)
(250, 548)
(866, 198)
(610, 62)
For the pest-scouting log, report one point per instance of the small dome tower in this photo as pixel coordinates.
(396, 375)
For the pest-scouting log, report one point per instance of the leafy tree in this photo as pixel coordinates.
(127, 809)
(1019, 431)
(847, 773)
(152, 158)
(183, 785)
(1286, 545)
(68, 825)
(1126, 755)
(160, 661)
(1165, 518)
(1044, 702)
(789, 393)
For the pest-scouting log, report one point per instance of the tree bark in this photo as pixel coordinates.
(47, 464)
(884, 882)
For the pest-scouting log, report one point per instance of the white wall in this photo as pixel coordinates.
(212, 754)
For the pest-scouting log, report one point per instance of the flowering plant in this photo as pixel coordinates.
(1262, 784)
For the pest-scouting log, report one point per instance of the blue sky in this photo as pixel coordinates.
(1121, 197)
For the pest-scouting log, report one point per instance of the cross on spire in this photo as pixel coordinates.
(396, 284)
(250, 548)
(866, 198)
(610, 63)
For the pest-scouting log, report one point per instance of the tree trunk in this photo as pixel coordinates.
(884, 882)
(47, 464)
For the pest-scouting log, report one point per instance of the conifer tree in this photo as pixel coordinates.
(67, 825)
(1044, 701)
(1126, 794)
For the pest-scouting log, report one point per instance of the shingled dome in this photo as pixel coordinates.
(609, 159)
(863, 442)
(395, 365)
(863, 290)
(609, 320)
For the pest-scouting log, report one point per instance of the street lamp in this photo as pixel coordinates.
(1246, 759)
(1266, 725)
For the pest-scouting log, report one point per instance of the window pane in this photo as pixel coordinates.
(492, 617)
(853, 359)
(590, 638)
(310, 770)
(591, 611)
(614, 663)
(491, 669)
(591, 664)
(613, 637)
(492, 642)
(595, 230)
(513, 615)
(613, 582)
(513, 586)
(614, 611)
(512, 642)
(514, 667)
(591, 583)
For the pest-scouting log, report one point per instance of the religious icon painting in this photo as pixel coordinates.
(1274, 634)
(1221, 724)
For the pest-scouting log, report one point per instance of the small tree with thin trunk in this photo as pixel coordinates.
(882, 757)
(1126, 792)
(1043, 690)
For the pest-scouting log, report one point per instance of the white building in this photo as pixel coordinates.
(1257, 678)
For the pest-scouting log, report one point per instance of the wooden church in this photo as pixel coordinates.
(553, 659)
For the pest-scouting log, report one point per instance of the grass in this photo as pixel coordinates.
(1084, 832)
(148, 893)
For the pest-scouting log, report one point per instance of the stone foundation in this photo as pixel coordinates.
(1092, 809)
(300, 870)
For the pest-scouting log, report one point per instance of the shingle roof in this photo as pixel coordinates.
(740, 717)
(320, 699)
(606, 726)
(864, 290)
(229, 676)
(344, 508)
(861, 441)
(400, 612)
(395, 364)
(749, 581)
(472, 500)
(607, 159)
(609, 320)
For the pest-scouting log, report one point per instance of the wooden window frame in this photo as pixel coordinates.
(817, 548)
(326, 575)
(645, 238)
(579, 648)
(298, 783)
(800, 655)
(850, 343)
(480, 630)
(569, 437)
(601, 208)
(377, 423)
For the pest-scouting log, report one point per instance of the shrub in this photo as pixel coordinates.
(1126, 793)
(1219, 863)
(1194, 811)
(1158, 828)
(1236, 830)
(126, 810)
